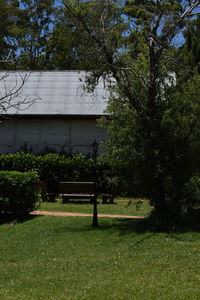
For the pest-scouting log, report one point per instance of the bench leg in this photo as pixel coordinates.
(51, 198)
(111, 201)
(104, 199)
(65, 199)
(44, 197)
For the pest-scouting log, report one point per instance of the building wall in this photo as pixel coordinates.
(46, 135)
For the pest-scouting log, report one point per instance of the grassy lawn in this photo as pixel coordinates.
(123, 206)
(63, 258)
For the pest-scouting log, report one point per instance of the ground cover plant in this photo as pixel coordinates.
(64, 258)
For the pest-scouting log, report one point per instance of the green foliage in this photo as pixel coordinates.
(191, 193)
(9, 20)
(18, 192)
(35, 29)
(61, 50)
(176, 155)
(124, 148)
(152, 126)
(190, 56)
(132, 42)
(52, 168)
(20, 161)
(82, 13)
(37, 35)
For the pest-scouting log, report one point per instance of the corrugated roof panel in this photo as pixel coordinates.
(55, 92)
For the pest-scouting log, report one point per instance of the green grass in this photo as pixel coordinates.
(63, 258)
(128, 206)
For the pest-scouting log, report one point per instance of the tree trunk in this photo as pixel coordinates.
(155, 180)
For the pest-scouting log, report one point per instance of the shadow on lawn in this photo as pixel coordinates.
(78, 202)
(151, 224)
(154, 224)
(12, 219)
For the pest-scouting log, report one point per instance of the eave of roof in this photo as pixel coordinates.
(51, 116)
(55, 93)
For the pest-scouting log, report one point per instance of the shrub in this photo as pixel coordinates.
(191, 193)
(18, 192)
(81, 168)
(20, 161)
(53, 168)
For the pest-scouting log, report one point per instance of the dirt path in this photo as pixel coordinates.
(67, 214)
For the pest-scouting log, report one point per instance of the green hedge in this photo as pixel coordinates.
(55, 167)
(191, 192)
(52, 168)
(18, 162)
(18, 191)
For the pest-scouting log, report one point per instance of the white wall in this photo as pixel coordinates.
(56, 134)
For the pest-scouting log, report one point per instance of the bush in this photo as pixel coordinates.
(53, 168)
(18, 192)
(191, 193)
(18, 162)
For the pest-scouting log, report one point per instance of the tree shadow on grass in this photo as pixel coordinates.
(155, 224)
(12, 219)
(152, 224)
(78, 202)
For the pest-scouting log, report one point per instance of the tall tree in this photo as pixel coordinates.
(36, 23)
(8, 31)
(133, 42)
(61, 52)
(37, 35)
(191, 48)
(11, 83)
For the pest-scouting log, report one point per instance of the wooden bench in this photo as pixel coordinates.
(76, 190)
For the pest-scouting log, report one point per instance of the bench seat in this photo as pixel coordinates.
(76, 190)
(77, 196)
(69, 190)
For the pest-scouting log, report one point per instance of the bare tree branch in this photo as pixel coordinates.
(186, 14)
(12, 98)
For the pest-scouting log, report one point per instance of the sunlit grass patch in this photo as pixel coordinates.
(64, 258)
(122, 206)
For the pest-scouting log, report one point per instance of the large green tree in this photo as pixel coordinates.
(61, 50)
(37, 35)
(190, 51)
(177, 152)
(133, 43)
(34, 30)
(9, 20)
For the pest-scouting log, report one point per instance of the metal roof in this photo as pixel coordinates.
(53, 93)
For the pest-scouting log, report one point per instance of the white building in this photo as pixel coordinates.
(62, 115)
